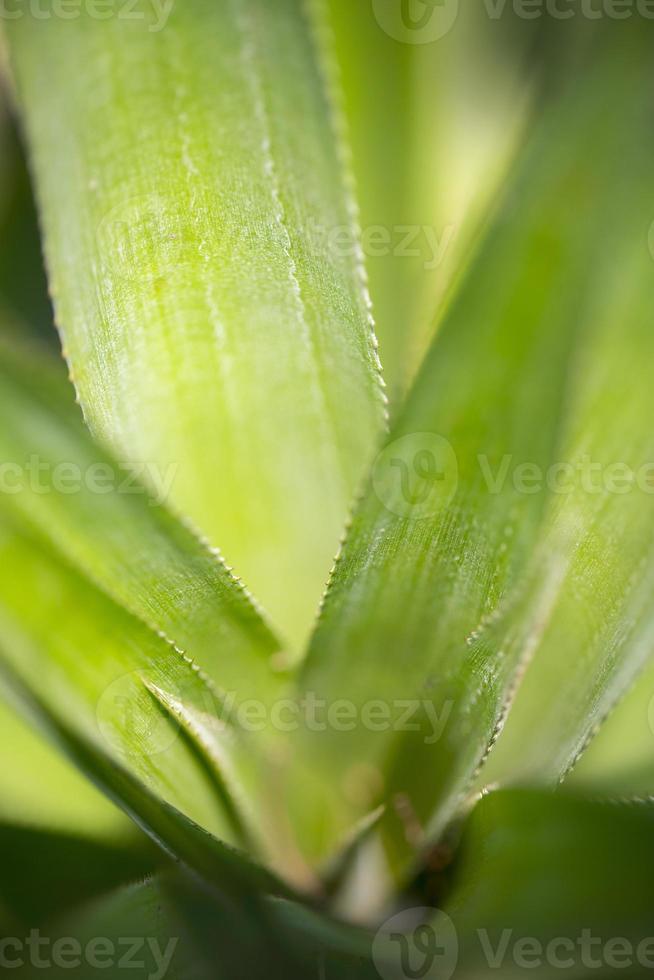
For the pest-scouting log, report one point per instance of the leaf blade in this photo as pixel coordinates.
(445, 591)
(199, 288)
(101, 518)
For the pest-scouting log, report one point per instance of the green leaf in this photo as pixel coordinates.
(620, 759)
(378, 89)
(187, 612)
(534, 869)
(188, 195)
(550, 868)
(433, 122)
(45, 873)
(215, 938)
(98, 515)
(451, 571)
(89, 683)
(599, 633)
(40, 789)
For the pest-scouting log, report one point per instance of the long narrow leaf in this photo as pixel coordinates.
(40, 789)
(620, 760)
(436, 601)
(600, 631)
(207, 320)
(100, 517)
(46, 873)
(547, 883)
(89, 682)
(435, 112)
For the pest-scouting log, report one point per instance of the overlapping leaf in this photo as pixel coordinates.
(620, 760)
(89, 681)
(544, 882)
(437, 599)
(123, 580)
(99, 515)
(38, 788)
(41, 789)
(549, 883)
(207, 320)
(600, 631)
(435, 112)
(196, 933)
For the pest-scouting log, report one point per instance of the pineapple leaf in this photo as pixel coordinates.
(556, 869)
(620, 759)
(100, 517)
(46, 872)
(552, 877)
(461, 558)
(110, 672)
(599, 632)
(61, 800)
(425, 187)
(145, 767)
(96, 516)
(212, 937)
(208, 322)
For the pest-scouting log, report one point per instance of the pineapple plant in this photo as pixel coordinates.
(378, 274)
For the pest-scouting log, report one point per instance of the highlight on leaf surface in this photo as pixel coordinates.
(207, 322)
(99, 514)
(445, 589)
(384, 793)
(433, 129)
(112, 673)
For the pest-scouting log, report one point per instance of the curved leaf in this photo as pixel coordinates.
(620, 759)
(207, 322)
(100, 517)
(547, 883)
(45, 873)
(87, 681)
(437, 600)
(434, 123)
(200, 934)
(600, 630)
(41, 790)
